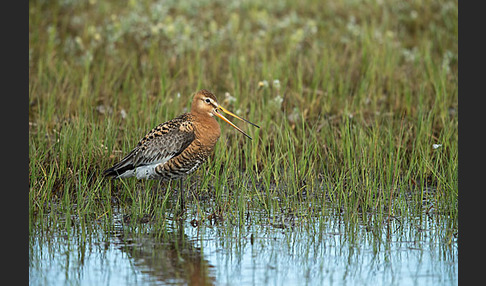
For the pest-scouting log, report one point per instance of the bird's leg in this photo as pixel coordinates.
(181, 190)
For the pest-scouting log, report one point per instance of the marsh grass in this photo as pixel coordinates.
(350, 99)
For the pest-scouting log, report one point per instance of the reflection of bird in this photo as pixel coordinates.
(177, 147)
(169, 259)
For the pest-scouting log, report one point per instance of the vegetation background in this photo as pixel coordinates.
(357, 103)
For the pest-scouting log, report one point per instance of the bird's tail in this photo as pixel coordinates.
(121, 167)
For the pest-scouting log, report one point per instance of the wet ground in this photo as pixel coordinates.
(324, 251)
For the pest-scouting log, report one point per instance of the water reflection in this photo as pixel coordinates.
(329, 254)
(326, 251)
(171, 259)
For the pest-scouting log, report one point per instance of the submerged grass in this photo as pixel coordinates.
(357, 105)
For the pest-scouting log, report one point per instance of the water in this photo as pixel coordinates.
(319, 251)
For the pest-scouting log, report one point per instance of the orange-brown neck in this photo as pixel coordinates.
(207, 128)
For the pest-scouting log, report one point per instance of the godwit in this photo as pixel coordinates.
(176, 148)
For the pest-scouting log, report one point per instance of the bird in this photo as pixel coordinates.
(176, 148)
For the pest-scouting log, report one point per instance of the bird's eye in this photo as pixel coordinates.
(207, 100)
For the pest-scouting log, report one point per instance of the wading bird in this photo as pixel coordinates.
(176, 148)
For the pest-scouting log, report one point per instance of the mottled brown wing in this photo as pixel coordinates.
(160, 144)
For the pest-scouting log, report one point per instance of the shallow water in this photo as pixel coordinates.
(324, 251)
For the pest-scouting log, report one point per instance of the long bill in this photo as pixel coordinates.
(217, 113)
(236, 116)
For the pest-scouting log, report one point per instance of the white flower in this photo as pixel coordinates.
(413, 14)
(435, 146)
(123, 113)
(276, 102)
(228, 98)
